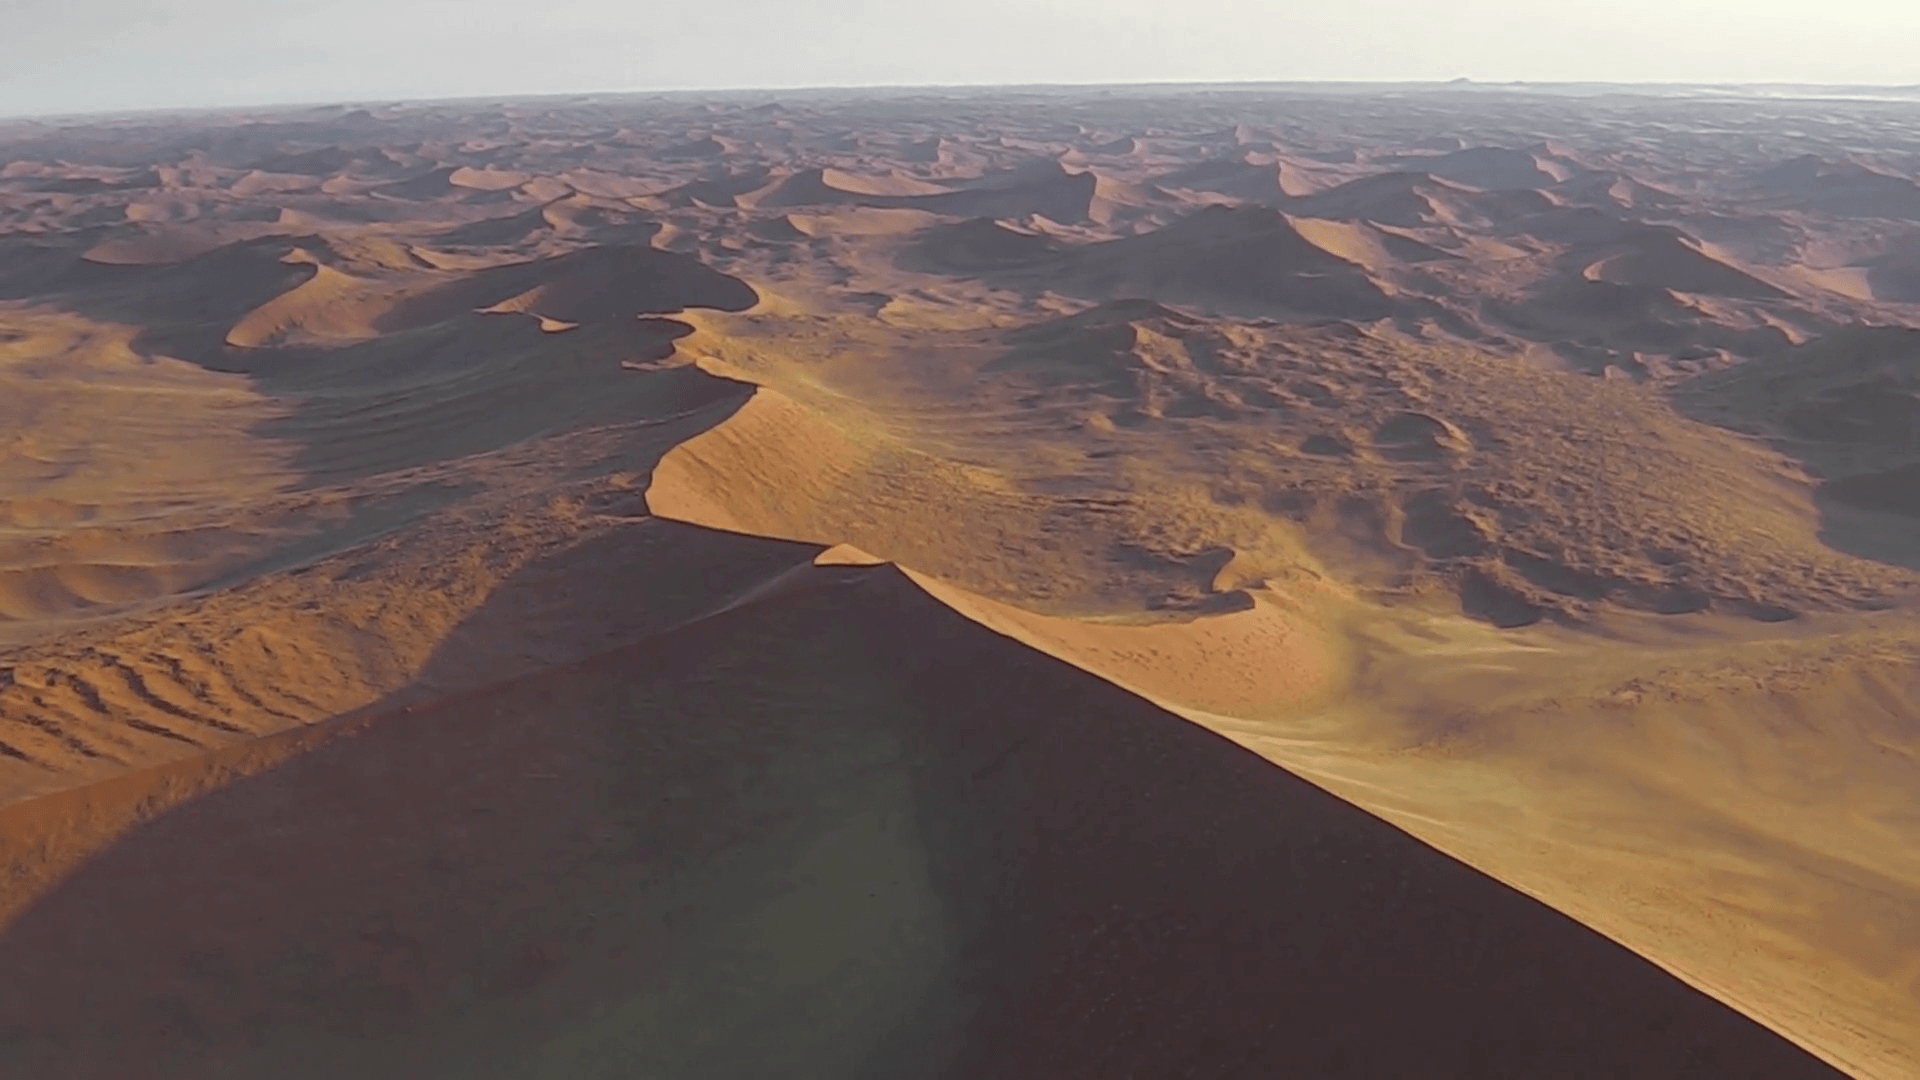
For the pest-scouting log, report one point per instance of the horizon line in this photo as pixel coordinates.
(1862, 91)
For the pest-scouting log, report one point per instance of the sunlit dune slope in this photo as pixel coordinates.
(1366, 450)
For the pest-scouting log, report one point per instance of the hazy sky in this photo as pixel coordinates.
(82, 55)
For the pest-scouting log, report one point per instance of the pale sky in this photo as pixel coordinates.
(59, 56)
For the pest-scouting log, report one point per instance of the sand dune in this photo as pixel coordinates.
(1235, 259)
(1378, 250)
(860, 221)
(486, 179)
(1266, 662)
(258, 182)
(1893, 275)
(125, 478)
(1495, 168)
(324, 162)
(808, 187)
(1846, 404)
(602, 283)
(1268, 182)
(707, 146)
(982, 244)
(329, 306)
(1025, 583)
(1843, 188)
(720, 191)
(1050, 192)
(1390, 199)
(256, 659)
(1674, 261)
(442, 942)
(894, 184)
(505, 231)
(156, 246)
(430, 185)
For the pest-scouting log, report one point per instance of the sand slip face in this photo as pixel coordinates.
(1273, 583)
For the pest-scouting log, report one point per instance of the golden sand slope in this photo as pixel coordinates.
(124, 478)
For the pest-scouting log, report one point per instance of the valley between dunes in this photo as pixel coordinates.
(1037, 584)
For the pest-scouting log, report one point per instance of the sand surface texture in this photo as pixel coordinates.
(1112, 583)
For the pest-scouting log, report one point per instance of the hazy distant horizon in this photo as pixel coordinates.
(1697, 90)
(69, 57)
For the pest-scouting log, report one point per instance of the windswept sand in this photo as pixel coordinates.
(1033, 584)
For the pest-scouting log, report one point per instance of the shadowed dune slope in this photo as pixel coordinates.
(930, 873)
(979, 244)
(1493, 168)
(1387, 198)
(476, 384)
(1262, 181)
(1242, 259)
(1673, 261)
(157, 245)
(590, 285)
(1844, 188)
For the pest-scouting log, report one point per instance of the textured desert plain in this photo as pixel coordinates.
(1177, 582)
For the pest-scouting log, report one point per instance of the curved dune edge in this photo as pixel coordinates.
(1236, 674)
(330, 306)
(1293, 659)
(1266, 660)
(802, 468)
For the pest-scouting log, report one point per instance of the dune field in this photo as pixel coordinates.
(1113, 582)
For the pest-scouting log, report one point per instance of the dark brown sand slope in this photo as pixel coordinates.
(838, 832)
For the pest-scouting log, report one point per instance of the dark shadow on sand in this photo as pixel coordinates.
(840, 832)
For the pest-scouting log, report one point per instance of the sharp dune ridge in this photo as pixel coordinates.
(1035, 584)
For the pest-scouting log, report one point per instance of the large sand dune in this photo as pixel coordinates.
(810, 836)
(1029, 584)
